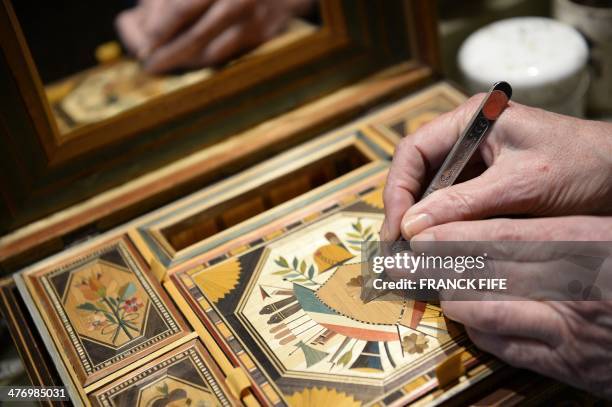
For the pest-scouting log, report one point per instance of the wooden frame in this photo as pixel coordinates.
(41, 173)
(27, 340)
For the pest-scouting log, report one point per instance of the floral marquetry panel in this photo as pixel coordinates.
(186, 376)
(103, 309)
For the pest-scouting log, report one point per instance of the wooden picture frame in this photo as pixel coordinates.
(43, 171)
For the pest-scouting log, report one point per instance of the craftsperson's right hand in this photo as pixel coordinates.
(535, 163)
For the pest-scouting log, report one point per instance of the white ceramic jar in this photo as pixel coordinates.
(544, 60)
(594, 20)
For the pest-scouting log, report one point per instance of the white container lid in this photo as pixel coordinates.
(541, 58)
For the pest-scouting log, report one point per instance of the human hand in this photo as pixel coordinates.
(195, 33)
(567, 340)
(536, 163)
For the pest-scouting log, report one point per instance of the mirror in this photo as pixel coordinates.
(63, 143)
(85, 52)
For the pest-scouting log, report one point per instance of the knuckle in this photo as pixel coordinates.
(507, 229)
(516, 355)
(461, 203)
(489, 319)
(402, 147)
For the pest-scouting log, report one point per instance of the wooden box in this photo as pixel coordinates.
(200, 247)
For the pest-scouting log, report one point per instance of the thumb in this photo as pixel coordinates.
(478, 198)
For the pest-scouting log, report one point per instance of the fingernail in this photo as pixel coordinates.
(411, 225)
(423, 237)
(421, 242)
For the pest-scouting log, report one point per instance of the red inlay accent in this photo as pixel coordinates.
(495, 105)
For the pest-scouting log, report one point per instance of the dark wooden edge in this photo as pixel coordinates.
(512, 386)
(28, 342)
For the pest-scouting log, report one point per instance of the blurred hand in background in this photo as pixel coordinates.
(172, 34)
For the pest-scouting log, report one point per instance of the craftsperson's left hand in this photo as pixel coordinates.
(568, 340)
(170, 34)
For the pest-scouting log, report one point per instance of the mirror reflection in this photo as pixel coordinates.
(98, 59)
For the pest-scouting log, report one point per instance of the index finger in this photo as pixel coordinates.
(413, 157)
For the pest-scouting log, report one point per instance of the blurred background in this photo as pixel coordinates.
(458, 20)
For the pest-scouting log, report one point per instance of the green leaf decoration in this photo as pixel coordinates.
(101, 292)
(356, 248)
(282, 262)
(303, 267)
(300, 280)
(311, 271)
(163, 389)
(371, 249)
(358, 242)
(295, 263)
(312, 356)
(354, 235)
(87, 306)
(115, 335)
(367, 230)
(282, 272)
(358, 226)
(110, 317)
(346, 358)
(369, 237)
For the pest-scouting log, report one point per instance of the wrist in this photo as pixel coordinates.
(601, 139)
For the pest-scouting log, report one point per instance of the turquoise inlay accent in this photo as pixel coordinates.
(382, 154)
(309, 301)
(160, 254)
